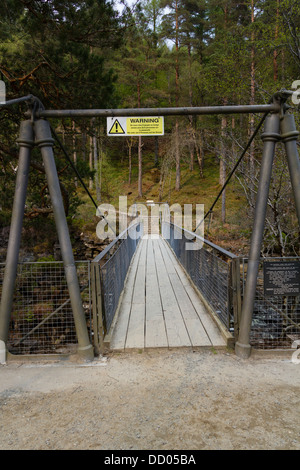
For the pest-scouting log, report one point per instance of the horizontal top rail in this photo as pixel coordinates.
(231, 109)
(111, 245)
(212, 245)
(22, 99)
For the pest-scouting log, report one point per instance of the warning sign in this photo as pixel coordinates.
(145, 126)
(135, 126)
(116, 128)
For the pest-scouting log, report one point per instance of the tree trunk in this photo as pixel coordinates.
(191, 149)
(91, 161)
(129, 143)
(161, 184)
(177, 154)
(223, 167)
(156, 151)
(100, 165)
(191, 143)
(96, 166)
(275, 54)
(140, 145)
(199, 150)
(233, 142)
(252, 102)
(74, 148)
(84, 146)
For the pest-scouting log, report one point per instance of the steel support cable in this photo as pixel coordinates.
(234, 169)
(36, 103)
(78, 175)
(29, 98)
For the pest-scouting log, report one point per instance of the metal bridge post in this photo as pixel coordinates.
(97, 308)
(236, 294)
(270, 137)
(289, 136)
(45, 142)
(26, 142)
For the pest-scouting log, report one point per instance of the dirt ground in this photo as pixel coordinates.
(156, 400)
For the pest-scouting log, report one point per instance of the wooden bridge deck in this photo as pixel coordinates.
(159, 307)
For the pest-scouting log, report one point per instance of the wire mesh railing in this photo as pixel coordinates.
(220, 277)
(109, 270)
(42, 319)
(209, 269)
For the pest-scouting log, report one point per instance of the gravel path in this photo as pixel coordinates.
(160, 399)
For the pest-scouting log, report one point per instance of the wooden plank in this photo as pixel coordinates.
(197, 333)
(139, 284)
(120, 331)
(150, 258)
(136, 325)
(168, 262)
(160, 308)
(153, 302)
(136, 334)
(193, 323)
(155, 332)
(178, 268)
(175, 326)
(144, 244)
(128, 288)
(183, 299)
(208, 324)
(177, 333)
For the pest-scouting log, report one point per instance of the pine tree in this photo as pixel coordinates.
(55, 51)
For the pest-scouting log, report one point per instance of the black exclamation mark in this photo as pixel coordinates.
(117, 126)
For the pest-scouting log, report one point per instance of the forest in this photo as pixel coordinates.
(142, 54)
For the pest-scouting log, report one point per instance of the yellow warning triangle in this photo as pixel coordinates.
(116, 128)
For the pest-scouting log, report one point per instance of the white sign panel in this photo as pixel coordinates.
(135, 126)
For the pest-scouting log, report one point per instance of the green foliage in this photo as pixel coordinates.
(83, 54)
(54, 50)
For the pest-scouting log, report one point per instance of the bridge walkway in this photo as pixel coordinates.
(159, 306)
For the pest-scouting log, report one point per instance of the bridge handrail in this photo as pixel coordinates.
(207, 242)
(108, 278)
(112, 244)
